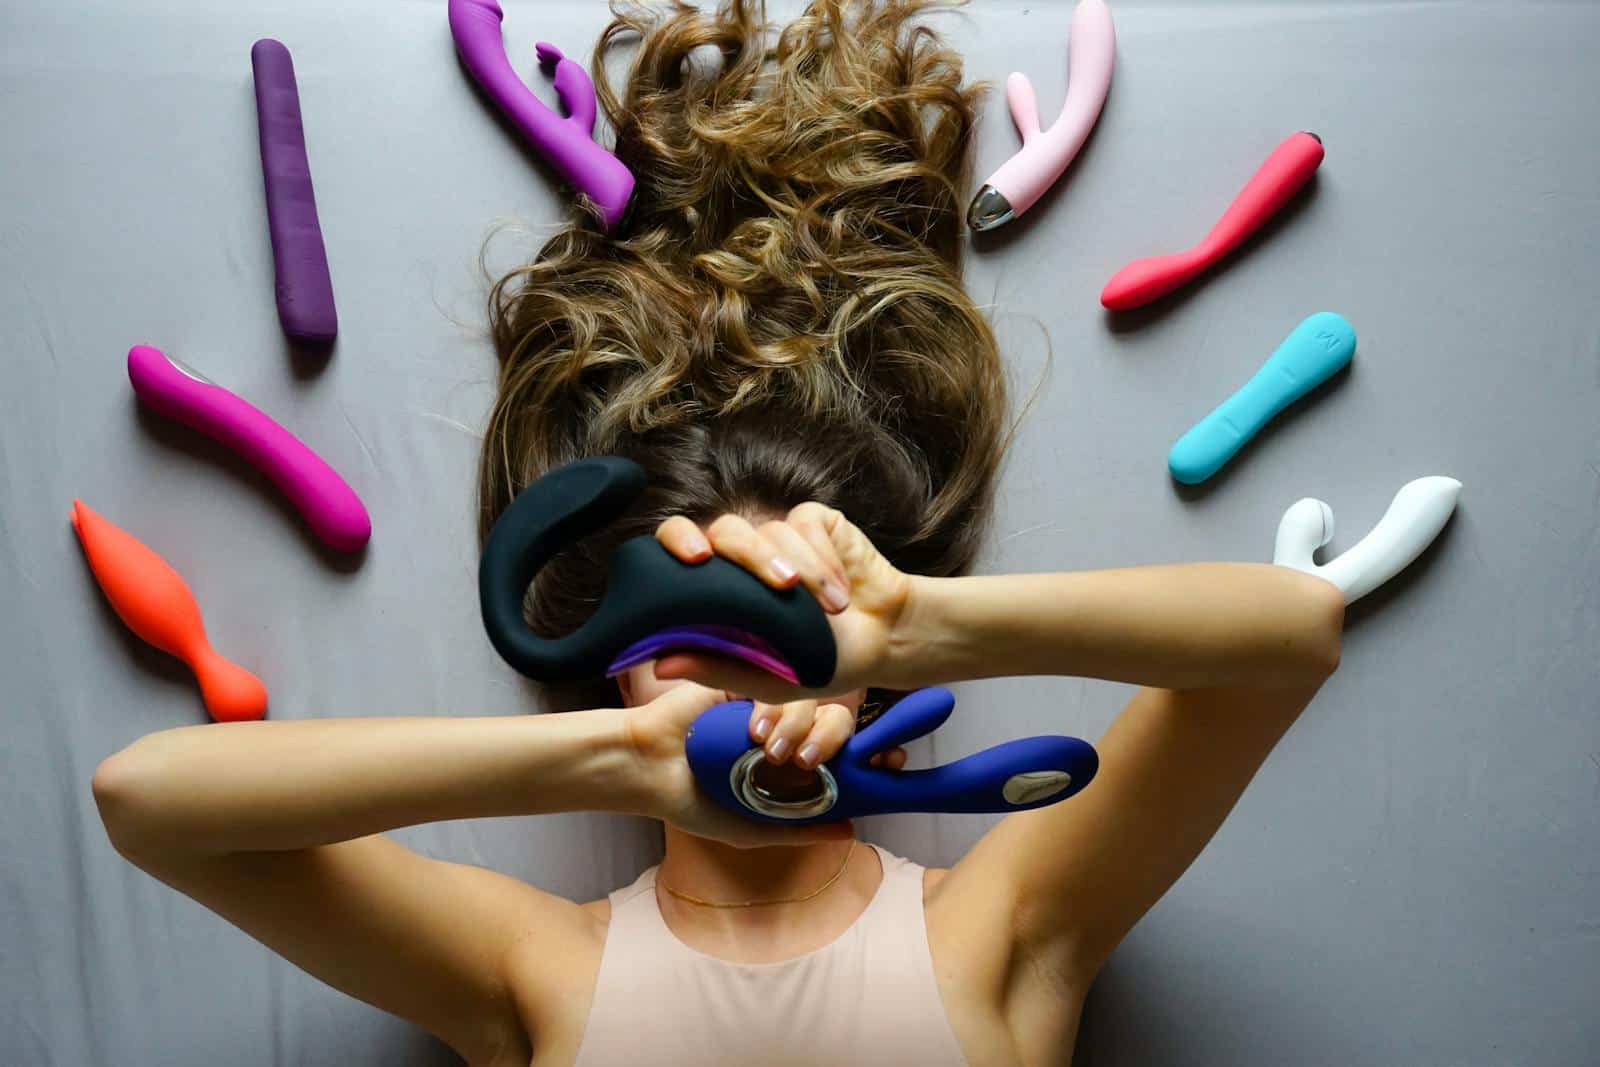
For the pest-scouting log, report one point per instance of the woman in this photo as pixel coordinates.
(778, 334)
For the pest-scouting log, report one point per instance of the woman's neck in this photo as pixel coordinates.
(712, 871)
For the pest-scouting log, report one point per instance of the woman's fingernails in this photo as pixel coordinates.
(778, 750)
(697, 545)
(781, 569)
(763, 728)
(807, 756)
(834, 598)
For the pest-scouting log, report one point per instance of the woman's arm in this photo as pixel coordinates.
(1180, 626)
(275, 826)
(1183, 626)
(275, 786)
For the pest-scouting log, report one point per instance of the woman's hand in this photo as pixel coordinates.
(802, 733)
(817, 547)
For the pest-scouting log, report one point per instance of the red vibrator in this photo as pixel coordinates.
(1288, 168)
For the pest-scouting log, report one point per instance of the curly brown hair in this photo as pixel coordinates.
(780, 317)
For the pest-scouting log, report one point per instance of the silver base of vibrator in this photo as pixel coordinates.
(742, 779)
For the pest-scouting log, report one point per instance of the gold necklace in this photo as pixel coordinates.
(824, 887)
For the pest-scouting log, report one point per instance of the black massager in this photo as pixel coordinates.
(654, 604)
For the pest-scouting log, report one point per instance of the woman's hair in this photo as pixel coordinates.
(780, 317)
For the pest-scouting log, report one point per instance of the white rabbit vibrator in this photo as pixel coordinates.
(1415, 516)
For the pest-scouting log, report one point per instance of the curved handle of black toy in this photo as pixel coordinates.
(562, 507)
(648, 589)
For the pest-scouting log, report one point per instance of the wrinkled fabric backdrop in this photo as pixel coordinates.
(1412, 878)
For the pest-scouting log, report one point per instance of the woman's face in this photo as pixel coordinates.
(640, 685)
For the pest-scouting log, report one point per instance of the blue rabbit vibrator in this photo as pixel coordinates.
(1030, 772)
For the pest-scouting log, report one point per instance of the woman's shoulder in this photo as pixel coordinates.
(570, 938)
(992, 1003)
(548, 966)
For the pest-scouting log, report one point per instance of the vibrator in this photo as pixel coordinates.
(155, 603)
(1289, 167)
(1416, 515)
(1313, 352)
(300, 261)
(565, 142)
(1045, 154)
(1030, 772)
(331, 508)
(654, 604)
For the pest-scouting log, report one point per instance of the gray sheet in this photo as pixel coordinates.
(1413, 877)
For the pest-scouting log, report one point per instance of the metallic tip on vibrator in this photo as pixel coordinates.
(989, 210)
(187, 371)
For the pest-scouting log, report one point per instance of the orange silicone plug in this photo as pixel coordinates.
(155, 602)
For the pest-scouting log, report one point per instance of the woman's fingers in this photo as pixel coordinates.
(778, 552)
(831, 727)
(830, 532)
(892, 759)
(793, 724)
(680, 536)
(803, 731)
(814, 544)
(683, 704)
(814, 523)
(733, 538)
(815, 573)
(763, 717)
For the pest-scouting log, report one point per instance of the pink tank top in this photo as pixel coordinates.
(870, 993)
